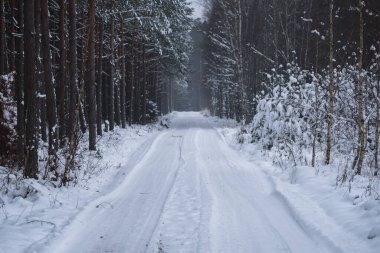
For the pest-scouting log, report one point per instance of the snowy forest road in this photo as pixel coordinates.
(190, 193)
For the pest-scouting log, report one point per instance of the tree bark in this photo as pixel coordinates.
(72, 69)
(377, 125)
(132, 88)
(144, 86)
(19, 91)
(360, 97)
(316, 104)
(41, 98)
(122, 83)
(99, 82)
(111, 103)
(31, 144)
(51, 111)
(61, 88)
(330, 110)
(2, 39)
(91, 75)
(12, 44)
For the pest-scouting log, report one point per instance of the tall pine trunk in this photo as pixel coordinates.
(111, 103)
(19, 90)
(330, 110)
(41, 98)
(99, 82)
(377, 126)
(72, 70)
(2, 39)
(360, 97)
(51, 111)
(61, 88)
(74, 99)
(91, 75)
(12, 44)
(144, 86)
(131, 87)
(122, 83)
(31, 144)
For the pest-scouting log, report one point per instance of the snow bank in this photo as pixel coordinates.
(320, 204)
(32, 212)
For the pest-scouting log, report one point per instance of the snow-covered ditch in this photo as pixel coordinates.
(34, 211)
(314, 195)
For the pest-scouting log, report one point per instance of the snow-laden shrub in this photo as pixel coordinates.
(286, 116)
(291, 119)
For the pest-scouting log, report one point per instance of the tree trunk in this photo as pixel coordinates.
(41, 98)
(360, 97)
(132, 88)
(31, 144)
(73, 113)
(116, 97)
(316, 104)
(122, 83)
(12, 44)
(99, 82)
(82, 99)
(19, 91)
(111, 103)
(72, 67)
(49, 88)
(3, 50)
(144, 88)
(61, 89)
(330, 111)
(91, 75)
(377, 126)
(136, 86)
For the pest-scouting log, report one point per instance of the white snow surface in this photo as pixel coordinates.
(186, 189)
(198, 8)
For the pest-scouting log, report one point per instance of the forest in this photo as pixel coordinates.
(190, 126)
(75, 67)
(304, 75)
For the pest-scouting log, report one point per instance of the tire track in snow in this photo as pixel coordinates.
(178, 227)
(241, 208)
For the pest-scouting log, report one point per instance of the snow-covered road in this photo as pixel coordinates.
(190, 192)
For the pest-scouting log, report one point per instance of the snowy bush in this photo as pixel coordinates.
(291, 118)
(286, 116)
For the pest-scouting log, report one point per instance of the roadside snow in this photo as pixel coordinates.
(28, 223)
(199, 186)
(315, 199)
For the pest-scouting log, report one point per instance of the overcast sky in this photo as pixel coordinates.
(198, 8)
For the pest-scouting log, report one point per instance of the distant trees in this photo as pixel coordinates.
(88, 66)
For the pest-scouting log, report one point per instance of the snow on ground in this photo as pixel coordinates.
(27, 223)
(192, 188)
(315, 199)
